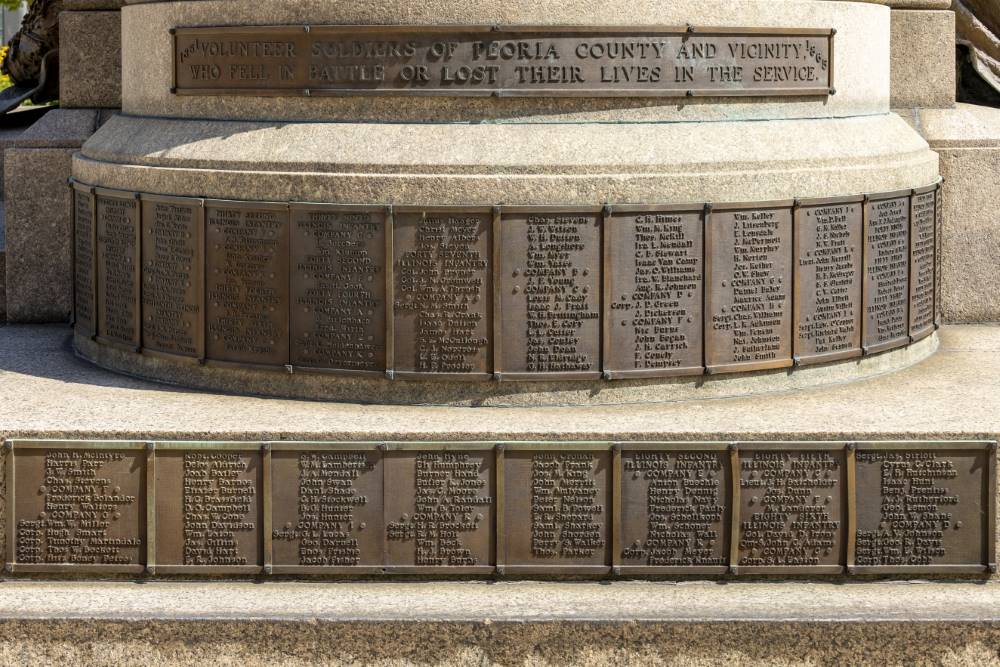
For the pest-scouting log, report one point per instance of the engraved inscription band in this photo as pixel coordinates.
(516, 508)
(502, 61)
(507, 293)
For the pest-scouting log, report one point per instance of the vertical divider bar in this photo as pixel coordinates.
(501, 536)
(793, 315)
(137, 263)
(938, 212)
(287, 279)
(71, 184)
(909, 266)
(850, 460)
(496, 258)
(266, 507)
(865, 222)
(11, 547)
(204, 281)
(617, 520)
(199, 232)
(93, 260)
(606, 212)
(151, 508)
(390, 294)
(734, 514)
(991, 508)
(706, 272)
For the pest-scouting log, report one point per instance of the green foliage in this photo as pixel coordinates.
(11, 4)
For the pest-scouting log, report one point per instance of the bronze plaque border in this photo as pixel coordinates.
(513, 29)
(136, 344)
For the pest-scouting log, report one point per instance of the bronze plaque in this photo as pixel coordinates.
(675, 509)
(828, 261)
(173, 273)
(443, 293)
(557, 510)
(326, 509)
(247, 282)
(748, 306)
(338, 288)
(118, 268)
(550, 294)
(79, 508)
(502, 60)
(887, 259)
(84, 261)
(440, 509)
(921, 507)
(923, 219)
(792, 509)
(655, 265)
(938, 234)
(208, 510)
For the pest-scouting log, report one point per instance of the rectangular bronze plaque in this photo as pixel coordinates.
(828, 261)
(338, 288)
(481, 60)
(550, 294)
(443, 293)
(118, 268)
(247, 288)
(675, 508)
(557, 509)
(440, 509)
(326, 509)
(922, 509)
(792, 509)
(77, 508)
(748, 305)
(173, 275)
(886, 295)
(208, 510)
(655, 291)
(84, 261)
(923, 219)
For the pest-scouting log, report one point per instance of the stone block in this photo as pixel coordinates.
(90, 59)
(895, 4)
(922, 64)
(968, 140)
(83, 5)
(38, 233)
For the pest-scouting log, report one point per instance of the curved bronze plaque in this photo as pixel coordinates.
(887, 259)
(442, 293)
(246, 246)
(84, 261)
(118, 256)
(654, 263)
(338, 288)
(748, 277)
(524, 61)
(923, 220)
(550, 294)
(173, 287)
(828, 267)
(938, 234)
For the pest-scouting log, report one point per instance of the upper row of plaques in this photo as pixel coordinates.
(512, 292)
(549, 61)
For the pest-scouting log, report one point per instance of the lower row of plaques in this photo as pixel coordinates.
(636, 508)
(512, 293)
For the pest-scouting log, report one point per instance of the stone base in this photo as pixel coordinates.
(503, 624)
(922, 65)
(967, 139)
(90, 59)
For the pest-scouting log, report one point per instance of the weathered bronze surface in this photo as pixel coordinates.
(440, 509)
(118, 257)
(887, 259)
(78, 507)
(442, 293)
(545, 61)
(654, 263)
(828, 280)
(923, 220)
(173, 276)
(326, 509)
(922, 508)
(247, 282)
(938, 228)
(84, 261)
(518, 508)
(748, 277)
(550, 294)
(208, 510)
(338, 288)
